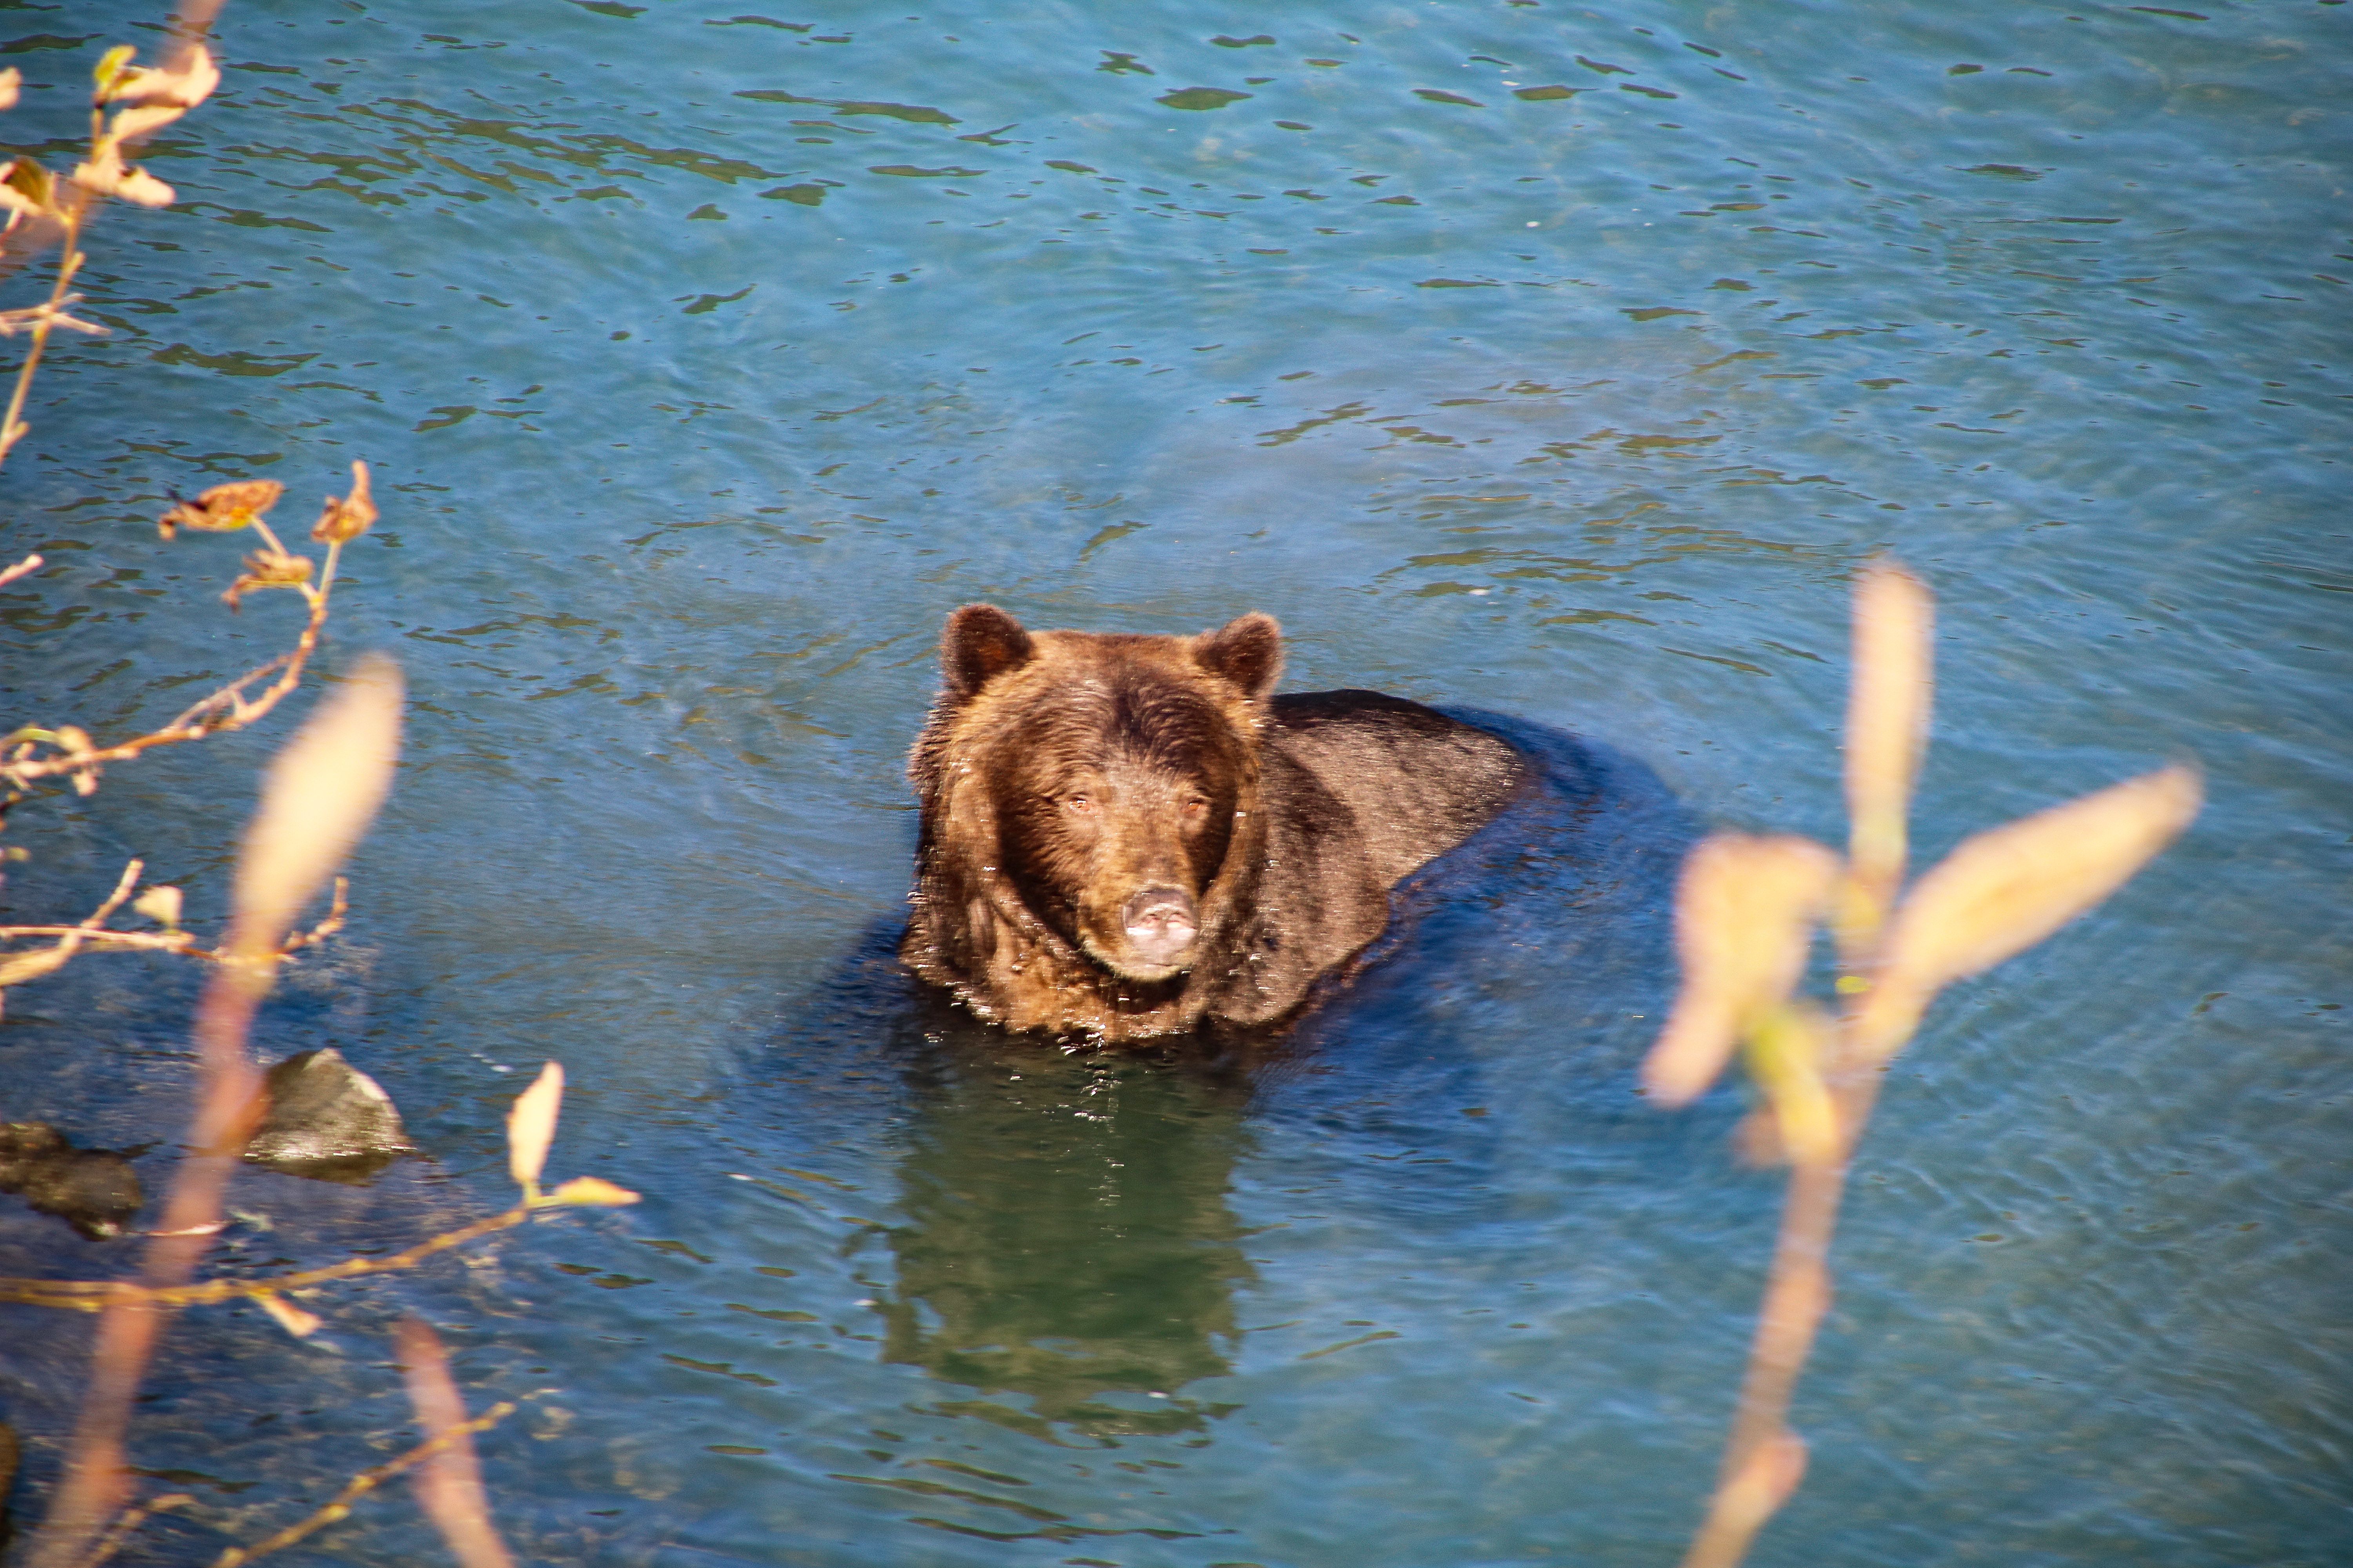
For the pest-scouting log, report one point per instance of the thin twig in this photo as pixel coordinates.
(28, 564)
(366, 1481)
(96, 1480)
(87, 935)
(73, 204)
(164, 940)
(131, 1520)
(226, 710)
(94, 1295)
(448, 1484)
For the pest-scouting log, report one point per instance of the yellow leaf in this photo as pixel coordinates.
(33, 182)
(110, 69)
(184, 85)
(160, 904)
(531, 1125)
(12, 83)
(592, 1190)
(1787, 1048)
(2005, 889)
(1887, 712)
(1745, 910)
(322, 792)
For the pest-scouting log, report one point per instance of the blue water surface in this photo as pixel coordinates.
(1560, 363)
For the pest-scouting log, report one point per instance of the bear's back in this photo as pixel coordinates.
(1416, 782)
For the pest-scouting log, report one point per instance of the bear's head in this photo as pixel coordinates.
(1089, 797)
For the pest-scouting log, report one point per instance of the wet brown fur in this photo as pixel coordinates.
(1285, 820)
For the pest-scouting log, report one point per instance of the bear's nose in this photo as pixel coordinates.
(1160, 924)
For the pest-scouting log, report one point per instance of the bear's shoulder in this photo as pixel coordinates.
(1412, 782)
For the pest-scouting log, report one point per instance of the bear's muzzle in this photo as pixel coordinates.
(1161, 924)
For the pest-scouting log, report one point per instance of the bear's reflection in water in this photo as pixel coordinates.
(1066, 1234)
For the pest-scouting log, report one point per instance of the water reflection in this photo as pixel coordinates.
(1068, 1235)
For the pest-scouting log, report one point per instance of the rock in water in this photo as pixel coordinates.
(93, 1190)
(327, 1119)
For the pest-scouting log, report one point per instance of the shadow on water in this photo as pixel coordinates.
(1066, 1229)
(1067, 1236)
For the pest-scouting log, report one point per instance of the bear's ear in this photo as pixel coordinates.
(1247, 651)
(981, 643)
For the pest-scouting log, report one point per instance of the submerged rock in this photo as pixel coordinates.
(327, 1119)
(93, 1190)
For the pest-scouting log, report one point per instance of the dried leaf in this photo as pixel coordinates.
(531, 1125)
(33, 182)
(289, 1317)
(184, 85)
(450, 1484)
(347, 516)
(1745, 910)
(2005, 889)
(224, 508)
(1886, 725)
(160, 904)
(322, 792)
(269, 569)
(131, 124)
(107, 174)
(593, 1191)
(12, 83)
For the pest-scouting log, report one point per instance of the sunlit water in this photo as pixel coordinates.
(1552, 362)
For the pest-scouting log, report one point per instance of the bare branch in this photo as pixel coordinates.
(366, 1481)
(450, 1484)
(130, 1521)
(95, 1295)
(96, 1480)
(227, 709)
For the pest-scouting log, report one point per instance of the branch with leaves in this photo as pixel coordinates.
(35, 753)
(1746, 911)
(161, 904)
(44, 208)
(321, 792)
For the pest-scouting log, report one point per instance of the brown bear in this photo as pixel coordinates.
(1128, 836)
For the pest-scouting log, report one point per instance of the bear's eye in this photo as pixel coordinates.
(1084, 805)
(1195, 807)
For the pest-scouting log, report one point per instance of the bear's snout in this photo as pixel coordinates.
(1161, 923)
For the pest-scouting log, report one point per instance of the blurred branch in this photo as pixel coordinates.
(127, 1522)
(320, 792)
(450, 1483)
(366, 1481)
(1745, 912)
(28, 564)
